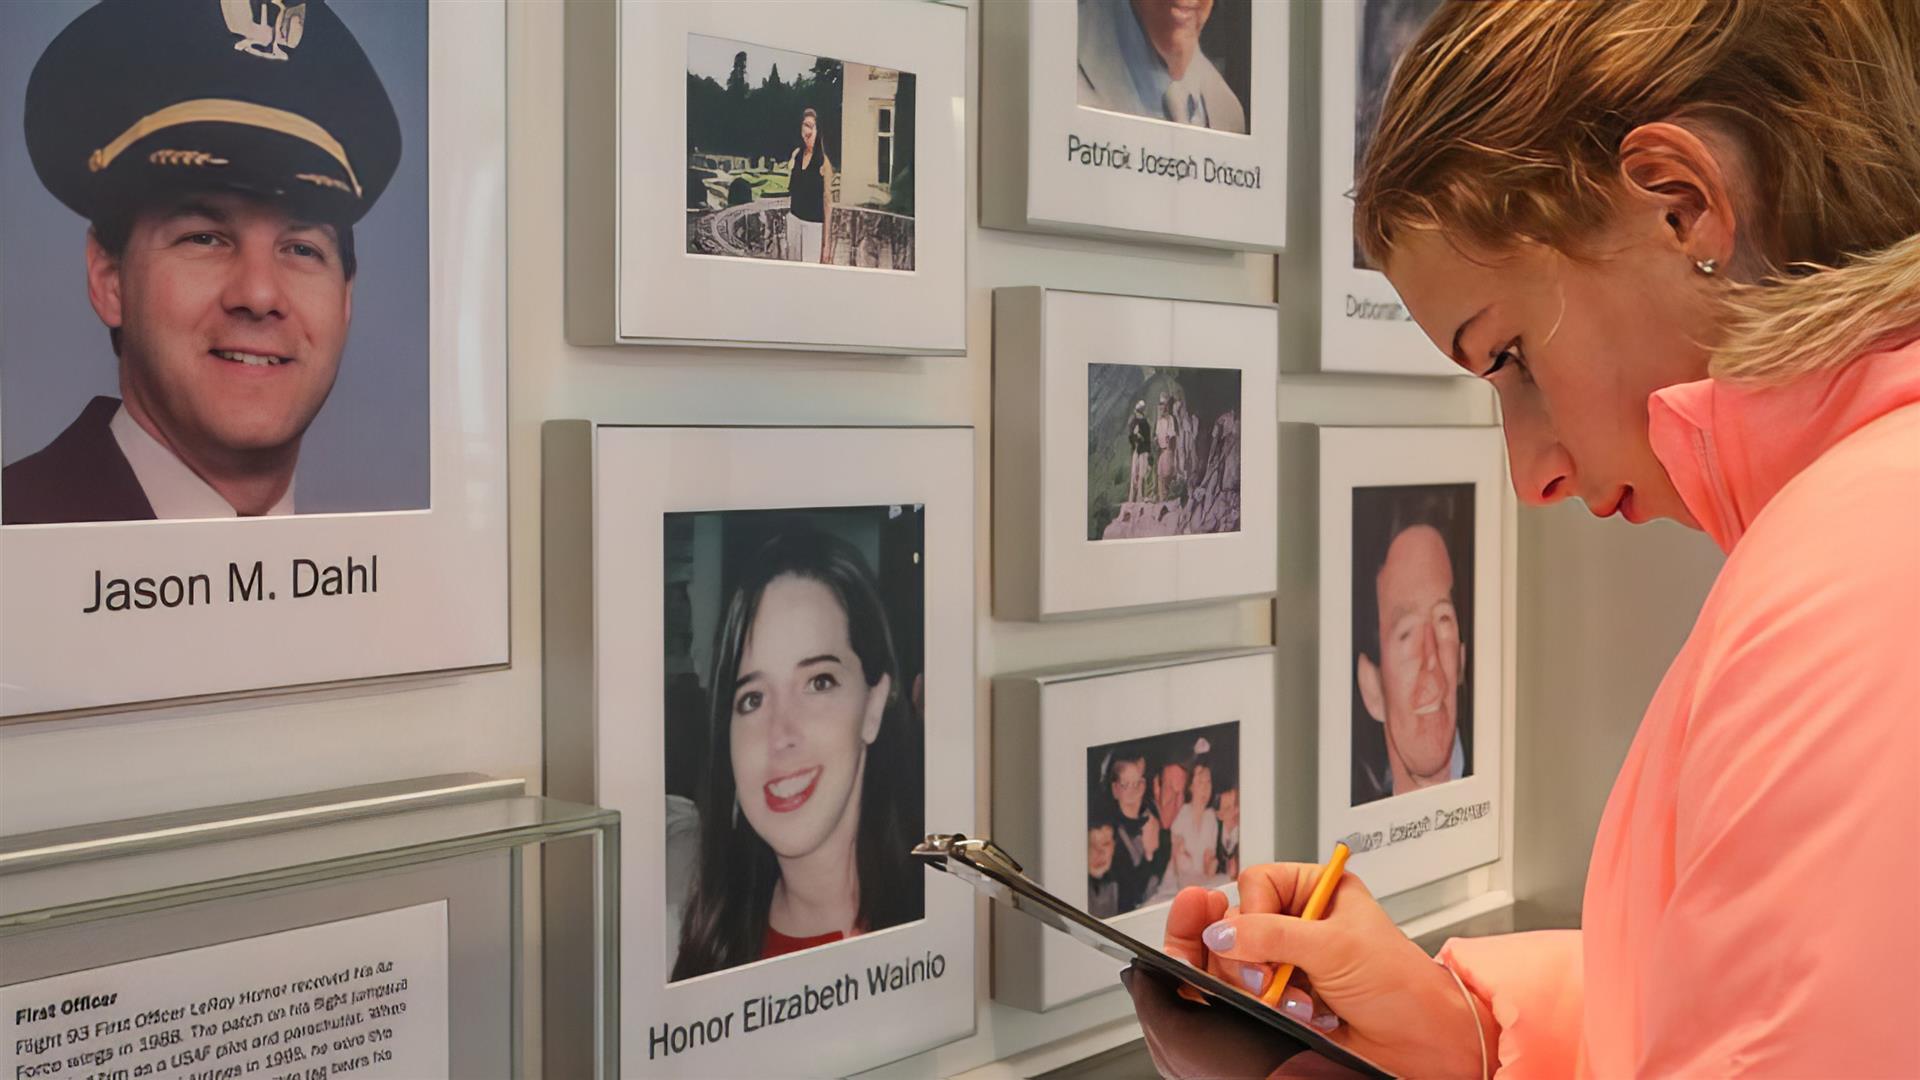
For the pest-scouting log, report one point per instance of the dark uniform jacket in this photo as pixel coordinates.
(80, 476)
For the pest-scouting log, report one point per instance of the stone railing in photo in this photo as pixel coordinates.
(758, 230)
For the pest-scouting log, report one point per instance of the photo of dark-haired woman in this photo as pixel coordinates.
(812, 787)
(810, 195)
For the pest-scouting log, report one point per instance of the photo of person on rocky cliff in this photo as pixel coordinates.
(1163, 451)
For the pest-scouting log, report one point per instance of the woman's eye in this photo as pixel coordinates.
(749, 702)
(1508, 355)
(822, 682)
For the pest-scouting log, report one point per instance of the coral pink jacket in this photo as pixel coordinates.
(1753, 903)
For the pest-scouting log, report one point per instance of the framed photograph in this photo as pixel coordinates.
(767, 174)
(1363, 325)
(253, 362)
(1117, 787)
(1410, 569)
(1134, 449)
(779, 702)
(1160, 120)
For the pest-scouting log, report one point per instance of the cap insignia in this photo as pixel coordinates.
(324, 181)
(267, 28)
(184, 157)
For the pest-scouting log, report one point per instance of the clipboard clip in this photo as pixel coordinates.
(981, 863)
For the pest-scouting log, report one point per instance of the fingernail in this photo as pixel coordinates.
(1325, 1022)
(1219, 936)
(1296, 1006)
(1254, 977)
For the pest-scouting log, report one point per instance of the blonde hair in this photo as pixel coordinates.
(1504, 120)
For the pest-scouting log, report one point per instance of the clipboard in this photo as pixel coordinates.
(982, 864)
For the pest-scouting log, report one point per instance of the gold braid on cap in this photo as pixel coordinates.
(226, 111)
(185, 157)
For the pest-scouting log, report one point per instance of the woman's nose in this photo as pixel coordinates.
(1542, 469)
(783, 724)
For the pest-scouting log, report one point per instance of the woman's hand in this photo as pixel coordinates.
(1398, 1008)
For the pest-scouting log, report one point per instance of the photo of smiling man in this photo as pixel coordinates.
(211, 160)
(1412, 620)
(1184, 61)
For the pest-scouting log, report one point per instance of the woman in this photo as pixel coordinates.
(1165, 434)
(1678, 238)
(809, 195)
(1196, 828)
(1140, 443)
(812, 794)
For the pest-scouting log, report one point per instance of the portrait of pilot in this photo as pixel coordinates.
(221, 153)
(1412, 622)
(1149, 58)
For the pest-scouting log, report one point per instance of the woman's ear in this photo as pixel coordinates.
(1690, 182)
(877, 698)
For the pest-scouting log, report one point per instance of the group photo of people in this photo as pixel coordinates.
(1412, 632)
(1163, 451)
(1163, 813)
(795, 777)
(795, 157)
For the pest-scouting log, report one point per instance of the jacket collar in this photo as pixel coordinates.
(1730, 449)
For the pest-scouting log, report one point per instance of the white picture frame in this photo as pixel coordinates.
(1451, 479)
(436, 601)
(1364, 326)
(1050, 349)
(609, 506)
(1062, 166)
(1044, 725)
(630, 276)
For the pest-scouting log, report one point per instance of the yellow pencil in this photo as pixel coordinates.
(1316, 907)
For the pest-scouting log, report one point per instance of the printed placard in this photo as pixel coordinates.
(252, 380)
(363, 997)
(1154, 120)
(781, 703)
(1411, 653)
(1364, 327)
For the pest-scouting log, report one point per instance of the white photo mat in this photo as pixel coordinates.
(665, 295)
(1392, 849)
(1063, 192)
(1363, 325)
(1046, 341)
(1038, 968)
(642, 474)
(442, 597)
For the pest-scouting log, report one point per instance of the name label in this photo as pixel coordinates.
(1118, 157)
(770, 1010)
(242, 583)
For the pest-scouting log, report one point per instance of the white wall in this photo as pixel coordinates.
(143, 762)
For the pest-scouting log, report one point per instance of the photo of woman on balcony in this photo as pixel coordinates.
(798, 158)
(810, 195)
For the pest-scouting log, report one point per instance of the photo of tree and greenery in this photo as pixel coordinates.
(797, 157)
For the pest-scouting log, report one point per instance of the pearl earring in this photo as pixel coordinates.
(1707, 266)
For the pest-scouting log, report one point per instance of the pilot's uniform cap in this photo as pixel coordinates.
(269, 97)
